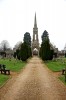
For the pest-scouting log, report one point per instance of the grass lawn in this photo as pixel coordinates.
(62, 78)
(13, 65)
(3, 79)
(55, 65)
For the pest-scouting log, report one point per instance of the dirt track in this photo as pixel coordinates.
(35, 82)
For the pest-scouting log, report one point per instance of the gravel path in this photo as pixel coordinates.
(35, 82)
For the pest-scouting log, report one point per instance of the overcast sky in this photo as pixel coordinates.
(17, 17)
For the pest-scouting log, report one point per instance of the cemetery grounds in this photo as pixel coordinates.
(35, 81)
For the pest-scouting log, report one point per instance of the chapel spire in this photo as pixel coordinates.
(35, 22)
(35, 42)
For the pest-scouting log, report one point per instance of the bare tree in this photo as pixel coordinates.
(4, 45)
(18, 44)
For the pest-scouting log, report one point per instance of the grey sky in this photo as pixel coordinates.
(17, 17)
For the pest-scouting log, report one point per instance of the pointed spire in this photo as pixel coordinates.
(35, 22)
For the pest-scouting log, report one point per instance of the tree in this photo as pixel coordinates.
(27, 38)
(44, 36)
(15, 54)
(4, 45)
(3, 54)
(18, 44)
(29, 51)
(65, 54)
(24, 52)
(45, 51)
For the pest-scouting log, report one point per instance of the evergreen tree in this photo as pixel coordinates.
(65, 55)
(14, 55)
(17, 53)
(25, 51)
(45, 52)
(44, 36)
(27, 38)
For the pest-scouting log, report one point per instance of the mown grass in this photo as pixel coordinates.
(55, 65)
(3, 79)
(62, 78)
(13, 65)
